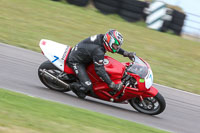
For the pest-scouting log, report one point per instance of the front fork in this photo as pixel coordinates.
(142, 101)
(151, 92)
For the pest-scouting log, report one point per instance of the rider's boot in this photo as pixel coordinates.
(78, 90)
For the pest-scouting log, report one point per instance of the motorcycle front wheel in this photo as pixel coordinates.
(149, 105)
(48, 81)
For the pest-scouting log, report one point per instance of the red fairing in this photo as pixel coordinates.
(114, 68)
(151, 92)
(141, 85)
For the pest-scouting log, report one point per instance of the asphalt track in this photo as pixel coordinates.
(18, 72)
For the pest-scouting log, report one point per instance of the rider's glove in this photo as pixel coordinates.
(129, 54)
(115, 87)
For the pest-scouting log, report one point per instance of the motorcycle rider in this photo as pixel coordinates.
(93, 50)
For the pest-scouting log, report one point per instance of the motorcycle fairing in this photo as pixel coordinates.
(149, 79)
(114, 68)
(143, 70)
(55, 52)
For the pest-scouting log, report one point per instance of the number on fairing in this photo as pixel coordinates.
(56, 58)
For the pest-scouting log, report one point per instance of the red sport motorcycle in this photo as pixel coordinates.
(136, 77)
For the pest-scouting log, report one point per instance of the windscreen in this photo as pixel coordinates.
(138, 67)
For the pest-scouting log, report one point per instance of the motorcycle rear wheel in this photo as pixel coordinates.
(155, 105)
(48, 81)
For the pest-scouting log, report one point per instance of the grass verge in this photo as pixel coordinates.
(23, 114)
(174, 60)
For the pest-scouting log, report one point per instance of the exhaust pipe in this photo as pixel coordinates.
(47, 74)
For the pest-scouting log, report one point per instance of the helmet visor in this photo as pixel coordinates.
(115, 45)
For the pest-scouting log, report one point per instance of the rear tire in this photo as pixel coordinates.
(155, 105)
(49, 82)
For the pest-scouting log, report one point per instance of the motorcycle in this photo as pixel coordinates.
(136, 77)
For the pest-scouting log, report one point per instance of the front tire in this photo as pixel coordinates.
(48, 81)
(154, 105)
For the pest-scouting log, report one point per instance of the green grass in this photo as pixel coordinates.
(24, 114)
(174, 60)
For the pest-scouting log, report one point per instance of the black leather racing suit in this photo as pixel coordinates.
(87, 51)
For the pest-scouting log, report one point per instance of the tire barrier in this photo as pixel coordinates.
(176, 28)
(133, 10)
(112, 3)
(163, 19)
(179, 15)
(78, 2)
(157, 11)
(176, 23)
(130, 10)
(130, 16)
(107, 6)
(156, 15)
(165, 26)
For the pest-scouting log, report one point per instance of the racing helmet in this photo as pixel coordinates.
(112, 41)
